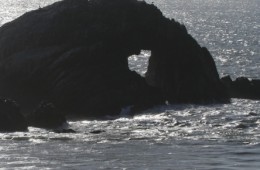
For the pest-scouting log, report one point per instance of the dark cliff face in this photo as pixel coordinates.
(74, 54)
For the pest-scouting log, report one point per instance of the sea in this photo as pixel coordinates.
(166, 137)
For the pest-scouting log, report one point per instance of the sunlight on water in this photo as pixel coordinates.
(168, 130)
(168, 136)
(139, 63)
(10, 10)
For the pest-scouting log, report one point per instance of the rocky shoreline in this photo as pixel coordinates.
(242, 87)
(45, 116)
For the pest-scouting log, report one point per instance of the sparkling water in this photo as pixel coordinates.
(219, 136)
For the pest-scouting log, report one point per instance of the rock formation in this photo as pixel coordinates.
(242, 87)
(74, 54)
(46, 115)
(11, 119)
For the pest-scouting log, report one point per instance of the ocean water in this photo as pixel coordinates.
(219, 136)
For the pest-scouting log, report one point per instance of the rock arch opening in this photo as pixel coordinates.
(139, 62)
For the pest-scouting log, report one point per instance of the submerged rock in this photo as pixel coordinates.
(11, 119)
(64, 131)
(97, 131)
(252, 114)
(74, 54)
(242, 87)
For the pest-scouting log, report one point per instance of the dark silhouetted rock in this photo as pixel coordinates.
(11, 119)
(97, 131)
(46, 116)
(252, 114)
(242, 87)
(64, 131)
(74, 54)
(185, 72)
